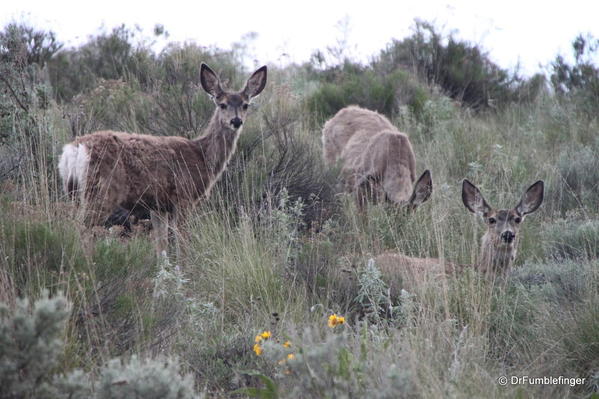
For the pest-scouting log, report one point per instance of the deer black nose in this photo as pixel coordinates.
(236, 122)
(508, 236)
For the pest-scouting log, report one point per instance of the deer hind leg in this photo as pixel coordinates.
(160, 232)
(98, 203)
(175, 232)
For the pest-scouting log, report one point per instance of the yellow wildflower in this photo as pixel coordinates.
(262, 336)
(258, 349)
(290, 356)
(287, 344)
(335, 320)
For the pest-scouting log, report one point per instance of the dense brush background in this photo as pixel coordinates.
(278, 247)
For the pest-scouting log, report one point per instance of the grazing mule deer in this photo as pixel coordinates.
(165, 175)
(499, 244)
(377, 160)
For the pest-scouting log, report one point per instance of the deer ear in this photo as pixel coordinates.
(256, 83)
(474, 200)
(422, 189)
(532, 199)
(210, 81)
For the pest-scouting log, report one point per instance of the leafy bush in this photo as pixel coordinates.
(37, 253)
(578, 180)
(25, 97)
(157, 378)
(110, 56)
(143, 92)
(460, 68)
(364, 86)
(31, 346)
(579, 82)
(318, 364)
(572, 239)
(551, 302)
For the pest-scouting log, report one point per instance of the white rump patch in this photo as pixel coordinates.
(73, 166)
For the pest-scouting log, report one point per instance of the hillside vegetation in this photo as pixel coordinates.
(278, 249)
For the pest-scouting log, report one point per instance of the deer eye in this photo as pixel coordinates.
(245, 106)
(518, 219)
(223, 106)
(492, 221)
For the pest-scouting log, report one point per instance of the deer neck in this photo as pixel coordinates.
(218, 144)
(494, 257)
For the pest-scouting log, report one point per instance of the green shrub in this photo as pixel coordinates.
(39, 254)
(137, 378)
(550, 310)
(461, 69)
(31, 347)
(25, 101)
(113, 55)
(579, 83)
(338, 364)
(363, 86)
(579, 347)
(572, 238)
(578, 180)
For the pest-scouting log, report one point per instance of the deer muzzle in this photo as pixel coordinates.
(508, 237)
(236, 122)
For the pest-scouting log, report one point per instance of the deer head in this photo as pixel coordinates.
(232, 106)
(372, 188)
(423, 188)
(500, 242)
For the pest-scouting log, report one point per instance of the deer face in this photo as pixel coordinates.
(372, 188)
(501, 239)
(232, 106)
(503, 226)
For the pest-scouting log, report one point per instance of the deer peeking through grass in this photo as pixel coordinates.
(377, 161)
(165, 175)
(499, 244)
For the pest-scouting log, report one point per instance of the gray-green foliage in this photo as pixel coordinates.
(373, 294)
(549, 311)
(572, 238)
(340, 362)
(31, 346)
(148, 379)
(25, 97)
(579, 83)
(578, 174)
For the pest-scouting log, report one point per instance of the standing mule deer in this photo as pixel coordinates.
(376, 159)
(499, 244)
(165, 175)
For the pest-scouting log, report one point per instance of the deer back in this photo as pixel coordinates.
(377, 160)
(348, 122)
(152, 170)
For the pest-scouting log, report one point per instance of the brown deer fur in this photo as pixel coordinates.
(499, 244)
(376, 158)
(165, 175)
